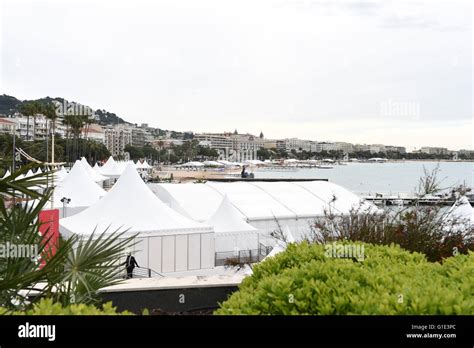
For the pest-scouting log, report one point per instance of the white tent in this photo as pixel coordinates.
(281, 245)
(192, 164)
(145, 165)
(79, 188)
(213, 164)
(167, 241)
(139, 165)
(293, 204)
(60, 174)
(254, 162)
(461, 215)
(111, 169)
(232, 232)
(39, 171)
(94, 175)
(226, 163)
(97, 168)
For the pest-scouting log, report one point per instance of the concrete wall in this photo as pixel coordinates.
(170, 300)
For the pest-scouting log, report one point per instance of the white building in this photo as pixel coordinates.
(117, 137)
(295, 144)
(94, 132)
(232, 147)
(7, 125)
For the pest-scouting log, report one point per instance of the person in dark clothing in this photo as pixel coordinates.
(244, 174)
(130, 264)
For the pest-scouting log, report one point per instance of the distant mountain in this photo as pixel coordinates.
(9, 105)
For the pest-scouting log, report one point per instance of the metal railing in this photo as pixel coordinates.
(242, 256)
(143, 272)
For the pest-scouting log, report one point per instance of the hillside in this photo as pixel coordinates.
(9, 105)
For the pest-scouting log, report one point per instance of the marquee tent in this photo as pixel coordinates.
(232, 232)
(293, 204)
(94, 175)
(461, 215)
(79, 188)
(166, 240)
(213, 164)
(97, 168)
(192, 164)
(111, 169)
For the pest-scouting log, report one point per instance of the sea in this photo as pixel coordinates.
(386, 178)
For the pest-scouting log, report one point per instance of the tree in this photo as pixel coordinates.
(30, 109)
(264, 154)
(49, 111)
(72, 274)
(135, 152)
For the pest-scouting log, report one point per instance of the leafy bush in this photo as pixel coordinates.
(390, 280)
(48, 307)
(419, 228)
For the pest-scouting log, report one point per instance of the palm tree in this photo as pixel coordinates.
(73, 274)
(49, 111)
(30, 109)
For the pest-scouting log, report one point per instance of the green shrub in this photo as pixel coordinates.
(48, 307)
(390, 280)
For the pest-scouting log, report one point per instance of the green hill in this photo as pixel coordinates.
(9, 105)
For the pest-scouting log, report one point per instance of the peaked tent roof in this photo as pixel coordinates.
(461, 213)
(61, 174)
(79, 187)
(111, 168)
(92, 173)
(97, 168)
(228, 219)
(145, 165)
(138, 165)
(130, 205)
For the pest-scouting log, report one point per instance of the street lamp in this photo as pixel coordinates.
(65, 201)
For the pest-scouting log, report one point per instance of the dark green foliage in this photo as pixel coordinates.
(74, 274)
(389, 280)
(48, 307)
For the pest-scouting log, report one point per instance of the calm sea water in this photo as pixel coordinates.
(387, 178)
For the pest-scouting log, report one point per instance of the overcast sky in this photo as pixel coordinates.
(391, 72)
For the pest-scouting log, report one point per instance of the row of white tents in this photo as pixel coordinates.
(180, 227)
(224, 163)
(171, 238)
(220, 164)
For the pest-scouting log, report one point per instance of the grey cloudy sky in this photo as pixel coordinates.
(392, 72)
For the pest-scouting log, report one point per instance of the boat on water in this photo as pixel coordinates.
(323, 166)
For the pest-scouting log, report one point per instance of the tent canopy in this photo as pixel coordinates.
(227, 219)
(192, 164)
(93, 174)
(78, 187)
(131, 206)
(111, 169)
(261, 200)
